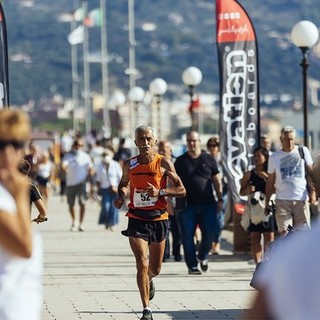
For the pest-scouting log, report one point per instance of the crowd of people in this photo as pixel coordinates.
(174, 205)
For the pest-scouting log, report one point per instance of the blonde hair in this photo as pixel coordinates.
(14, 124)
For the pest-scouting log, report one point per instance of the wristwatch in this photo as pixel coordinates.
(161, 193)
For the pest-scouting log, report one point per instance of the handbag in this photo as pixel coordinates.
(255, 207)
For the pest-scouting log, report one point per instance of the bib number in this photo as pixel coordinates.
(141, 199)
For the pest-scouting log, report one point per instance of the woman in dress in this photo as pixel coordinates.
(252, 181)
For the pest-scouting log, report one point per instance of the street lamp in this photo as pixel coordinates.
(158, 88)
(118, 99)
(192, 77)
(305, 35)
(135, 95)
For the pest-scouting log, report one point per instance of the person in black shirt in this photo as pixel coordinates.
(263, 233)
(199, 173)
(35, 196)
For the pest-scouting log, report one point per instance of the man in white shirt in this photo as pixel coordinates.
(287, 175)
(78, 166)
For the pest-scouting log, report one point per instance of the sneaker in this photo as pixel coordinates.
(73, 228)
(204, 265)
(152, 290)
(146, 315)
(80, 229)
(194, 270)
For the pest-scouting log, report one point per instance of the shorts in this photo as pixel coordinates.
(151, 231)
(76, 191)
(42, 181)
(291, 212)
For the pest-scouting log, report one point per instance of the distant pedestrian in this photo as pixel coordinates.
(263, 232)
(165, 149)
(108, 176)
(35, 196)
(44, 175)
(288, 170)
(145, 178)
(213, 147)
(79, 168)
(200, 175)
(33, 157)
(123, 153)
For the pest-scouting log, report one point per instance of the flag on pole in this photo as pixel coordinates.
(4, 74)
(94, 18)
(78, 14)
(76, 36)
(239, 91)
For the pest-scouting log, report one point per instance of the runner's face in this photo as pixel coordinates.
(145, 141)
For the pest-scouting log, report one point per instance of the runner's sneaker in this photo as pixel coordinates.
(194, 270)
(152, 290)
(146, 315)
(204, 265)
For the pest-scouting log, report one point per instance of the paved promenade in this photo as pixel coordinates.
(91, 275)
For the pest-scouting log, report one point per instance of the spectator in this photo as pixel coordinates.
(200, 176)
(253, 181)
(146, 176)
(122, 153)
(164, 148)
(265, 142)
(213, 147)
(20, 249)
(44, 175)
(65, 143)
(35, 196)
(108, 177)
(287, 175)
(79, 168)
(289, 282)
(33, 157)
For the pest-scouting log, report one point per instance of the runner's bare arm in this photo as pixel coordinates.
(176, 188)
(123, 186)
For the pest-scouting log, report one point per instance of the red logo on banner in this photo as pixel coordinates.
(233, 24)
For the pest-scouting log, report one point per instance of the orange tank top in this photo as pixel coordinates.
(140, 175)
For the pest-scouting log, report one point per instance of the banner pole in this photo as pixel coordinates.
(4, 79)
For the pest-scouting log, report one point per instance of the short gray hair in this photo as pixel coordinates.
(145, 127)
(288, 129)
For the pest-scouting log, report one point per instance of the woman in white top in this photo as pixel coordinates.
(20, 251)
(109, 174)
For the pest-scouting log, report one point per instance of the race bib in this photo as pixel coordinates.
(142, 199)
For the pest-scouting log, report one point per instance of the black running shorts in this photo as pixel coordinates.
(151, 231)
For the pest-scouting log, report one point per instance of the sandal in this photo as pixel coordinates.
(39, 219)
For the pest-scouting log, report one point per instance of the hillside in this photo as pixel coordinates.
(184, 35)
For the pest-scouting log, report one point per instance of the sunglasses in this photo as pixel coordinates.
(16, 144)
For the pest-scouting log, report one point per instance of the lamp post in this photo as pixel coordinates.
(158, 88)
(305, 35)
(192, 77)
(118, 99)
(135, 95)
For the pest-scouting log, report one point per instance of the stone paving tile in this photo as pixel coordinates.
(91, 275)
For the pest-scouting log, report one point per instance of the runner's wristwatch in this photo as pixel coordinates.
(161, 193)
